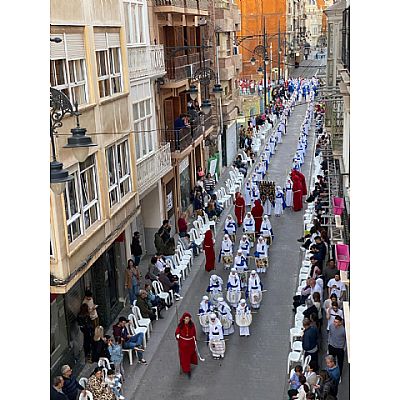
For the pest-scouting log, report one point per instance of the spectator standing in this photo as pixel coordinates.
(131, 282)
(116, 355)
(169, 249)
(56, 392)
(330, 270)
(165, 231)
(335, 285)
(99, 346)
(136, 248)
(310, 340)
(332, 312)
(182, 225)
(71, 386)
(86, 327)
(158, 243)
(337, 341)
(92, 307)
(242, 137)
(197, 204)
(209, 184)
(326, 386)
(332, 369)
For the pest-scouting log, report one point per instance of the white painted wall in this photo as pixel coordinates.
(231, 143)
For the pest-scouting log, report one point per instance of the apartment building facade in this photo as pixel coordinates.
(91, 222)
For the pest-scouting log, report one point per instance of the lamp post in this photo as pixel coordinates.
(78, 142)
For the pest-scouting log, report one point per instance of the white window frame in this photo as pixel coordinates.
(110, 72)
(136, 30)
(77, 172)
(144, 137)
(121, 155)
(68, 86)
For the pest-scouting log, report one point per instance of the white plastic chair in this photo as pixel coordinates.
(184, 267)
(146, 322)
(295, 333)
(188, 252)
(83, 382)
(301, 309)
(178, 271)
(293, 357)
(230, 188)
(202, 226)
(197, 227)
(306, 362)
(166, 296)
(207, 221)
(88, 396)
(297, 346)
(235, 180)
(185, 256)
(302, 277)
(103, 363)
(139, 329)
(227, 198)
(195, 237)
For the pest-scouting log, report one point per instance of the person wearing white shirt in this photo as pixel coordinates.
(249, 224)
(332, 312)
(335, 285)
(230, 225)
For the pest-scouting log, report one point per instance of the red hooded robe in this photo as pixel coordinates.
(257, 211)
(208, 246)
(303, 182)
(186, 343)
(297, 191)
(240, 208)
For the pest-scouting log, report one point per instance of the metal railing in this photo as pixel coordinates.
(176, 3)
(153, 167)
(202, 4)
(180, 139)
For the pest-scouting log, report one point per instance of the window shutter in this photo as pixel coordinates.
(57, 50)
(75, 46)
(113, 39)
(100, 41)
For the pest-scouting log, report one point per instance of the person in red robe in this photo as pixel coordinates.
(240, 208)
(208, 247)
(303, 182)
(257, 211)
(185, 334)
(297, 191)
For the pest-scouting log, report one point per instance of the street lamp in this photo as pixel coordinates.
(217, 91)
(253, 61)
(193, 92)
(206, 106)
(260, 70)
(78, 142)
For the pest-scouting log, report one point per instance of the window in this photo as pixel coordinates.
(108, 60)
(81, 199)
(68, 67)
(119, 175)
(143, 125)
(135, 17)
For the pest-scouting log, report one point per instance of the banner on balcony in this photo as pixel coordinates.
(213, 164)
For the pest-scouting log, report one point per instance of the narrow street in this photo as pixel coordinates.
(260, 361)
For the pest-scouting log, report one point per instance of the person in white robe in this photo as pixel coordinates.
(225, 316)
(247, 193)
(289, 193)
(266, 229)
(261, 252)
(243, 311)
(244, 245)
(279, 135)
(233, 288)
(265, 162)
(230, 226)
(216, 337)
(249, 225)
(279, 202)
(272, 144)
(261, 170)
(254, 286)
(267, 206)
(205, 309)
(267, 153)
(226, 250)
(255, 193)
(215, 288)
(240, 263)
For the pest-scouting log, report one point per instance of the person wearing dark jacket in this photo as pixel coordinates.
(99, 346)
(168, 284)
(169, 248)
(136, 248)
(310, 340)
(86, 327)
(56, 392)
(71, 385)
(158, 243)
(326, 386)
(165, 231)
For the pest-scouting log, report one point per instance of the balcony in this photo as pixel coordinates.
(181, 67)
(146, 61)
(208, 122)
(180, 139)
(169, 6)
(202, 5)
(152, 168)
(224, 4)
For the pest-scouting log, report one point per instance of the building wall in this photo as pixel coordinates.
(252, 12)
